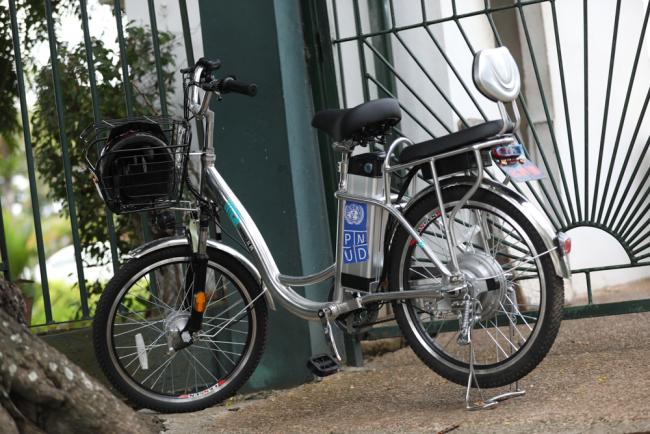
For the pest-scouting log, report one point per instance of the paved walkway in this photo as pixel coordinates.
(596, 379)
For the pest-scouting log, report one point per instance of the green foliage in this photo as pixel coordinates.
(78, 114)
(47, 137)
(33, 29)
(142, 68)
(21, 249)
(10, 159)
(17, 236)
(65, 303)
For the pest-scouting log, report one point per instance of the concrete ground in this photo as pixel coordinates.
(595, 379)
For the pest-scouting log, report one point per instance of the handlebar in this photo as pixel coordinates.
(230, 84)
(201, 71)
(194, 104)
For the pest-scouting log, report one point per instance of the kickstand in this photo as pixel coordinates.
(490, 403)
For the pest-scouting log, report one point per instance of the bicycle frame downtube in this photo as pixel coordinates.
(310, 279)
(218, 190)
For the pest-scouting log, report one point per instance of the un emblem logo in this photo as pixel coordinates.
(354, 214)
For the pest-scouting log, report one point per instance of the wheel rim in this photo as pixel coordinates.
(200, 370)
(502, 337)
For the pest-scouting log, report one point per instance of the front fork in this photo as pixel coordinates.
(196, 297)
(196, 281)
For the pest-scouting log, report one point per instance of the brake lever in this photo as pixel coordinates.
(212, 86)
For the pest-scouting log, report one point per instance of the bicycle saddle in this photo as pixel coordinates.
(369, 119)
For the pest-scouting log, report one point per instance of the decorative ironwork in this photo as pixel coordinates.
(584, 97)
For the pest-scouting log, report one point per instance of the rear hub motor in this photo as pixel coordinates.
(486, 282)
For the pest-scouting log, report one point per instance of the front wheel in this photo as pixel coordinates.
(510, 274)
(147, 302)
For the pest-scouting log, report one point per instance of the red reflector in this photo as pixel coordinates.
(563, 242)
(507, 152)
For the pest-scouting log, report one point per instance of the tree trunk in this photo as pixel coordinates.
(42, 391)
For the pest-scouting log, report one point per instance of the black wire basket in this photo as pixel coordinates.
(138, 164)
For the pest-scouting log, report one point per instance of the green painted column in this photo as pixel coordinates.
(268, 153)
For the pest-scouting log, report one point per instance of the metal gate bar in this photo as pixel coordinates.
(128, 91)
(363, 38)
(29, 153)
(72, 208)
(97, 116)
(65, 141)
(4, 265)
(610, 200)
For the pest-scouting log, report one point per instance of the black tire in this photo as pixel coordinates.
(523, 354)
(124, 291)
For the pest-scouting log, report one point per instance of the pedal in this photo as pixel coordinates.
(323, 365)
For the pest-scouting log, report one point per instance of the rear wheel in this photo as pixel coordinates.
(504, 259)
(144, 306)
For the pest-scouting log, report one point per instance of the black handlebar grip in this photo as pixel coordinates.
(209, 65)
(231, 85)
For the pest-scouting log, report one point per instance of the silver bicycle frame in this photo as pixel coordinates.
(280, 285)
(217, 190)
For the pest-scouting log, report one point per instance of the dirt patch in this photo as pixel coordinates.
(594, 380)
(377, 347)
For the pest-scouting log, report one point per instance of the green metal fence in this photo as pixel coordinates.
(360, 49)
(23, 15)
(584, 98)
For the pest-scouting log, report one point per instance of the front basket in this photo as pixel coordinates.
(138, 164)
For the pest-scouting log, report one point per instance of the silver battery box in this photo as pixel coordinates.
(364, 225)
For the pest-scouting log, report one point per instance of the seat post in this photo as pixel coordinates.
(343, 171)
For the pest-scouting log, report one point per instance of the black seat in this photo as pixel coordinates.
(369, 119)
(451, 141)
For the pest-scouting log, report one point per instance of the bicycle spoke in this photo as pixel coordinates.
(485, 234)
(494, 339)
(225, 353)
(138, 328)
(514, 306)
(146, 350)
(190, 353)
(169, 363)
(207, 304)
(154, 315)
(162, 366)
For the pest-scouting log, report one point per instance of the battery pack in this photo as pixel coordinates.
(364, 225)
